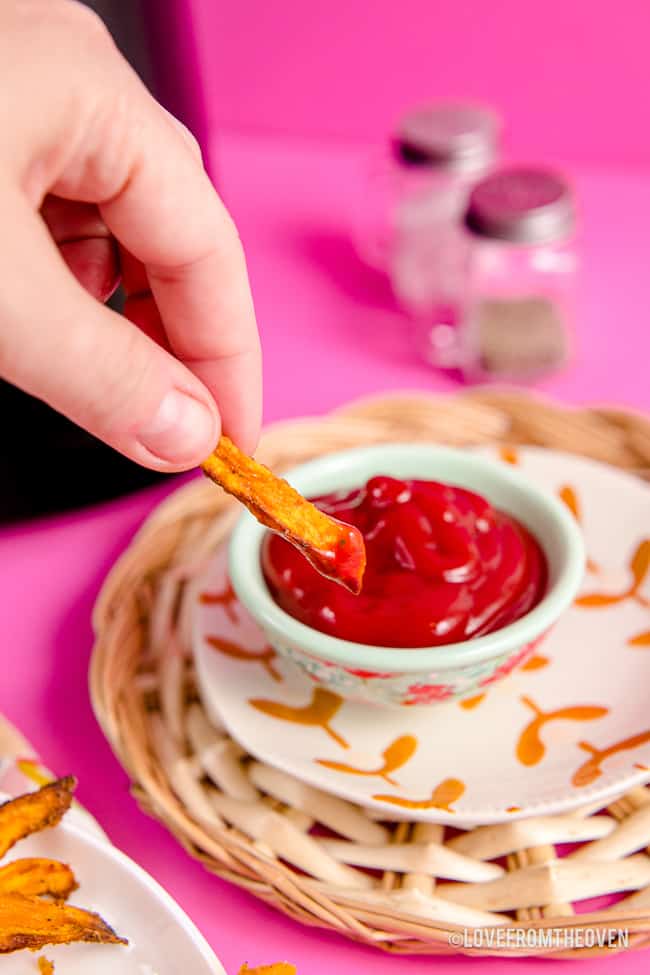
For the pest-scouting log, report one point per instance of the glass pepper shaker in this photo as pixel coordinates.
(506, 313)
(418, 187)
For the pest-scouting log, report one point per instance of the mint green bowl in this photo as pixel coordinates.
(390, 676)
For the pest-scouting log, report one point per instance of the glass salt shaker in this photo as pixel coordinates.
(508, 312)
(419, 185)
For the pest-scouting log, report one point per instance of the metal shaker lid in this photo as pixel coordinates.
(524, 205)
(456, 135)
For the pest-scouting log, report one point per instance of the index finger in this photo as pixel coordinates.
(156, 198)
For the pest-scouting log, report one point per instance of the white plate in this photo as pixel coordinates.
(162, 939)
(21, 771)
(575, 730)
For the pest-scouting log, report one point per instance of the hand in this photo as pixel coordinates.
(97, 178)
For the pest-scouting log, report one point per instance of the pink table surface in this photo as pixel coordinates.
(330, 333)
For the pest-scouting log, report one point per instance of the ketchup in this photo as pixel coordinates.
(443, 566)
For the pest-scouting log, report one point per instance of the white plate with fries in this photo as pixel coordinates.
(161, 938)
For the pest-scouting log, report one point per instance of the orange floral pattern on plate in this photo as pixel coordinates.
(469, 703)
(640, 640)
(591, 770)
(225, 598)
(538, 662)
(319, 713)
(530, 748)
(398, 753)
(445, 793)
(569, 496)
(509, 454)
(229, 648)
(639, 566)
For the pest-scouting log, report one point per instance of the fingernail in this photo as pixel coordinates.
(181, 429)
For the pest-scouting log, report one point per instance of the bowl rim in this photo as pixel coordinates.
(250, 587)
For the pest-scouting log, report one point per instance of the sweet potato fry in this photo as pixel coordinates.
(281, 968)
(45, 966)
(334, 549)
(34, 811)
(36, 876)
(27, 922)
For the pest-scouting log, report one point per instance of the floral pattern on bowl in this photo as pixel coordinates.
(407, 690)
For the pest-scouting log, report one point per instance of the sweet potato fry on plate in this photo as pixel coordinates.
(334, 549)
(27, 922)
(34, 811)
(37, 877)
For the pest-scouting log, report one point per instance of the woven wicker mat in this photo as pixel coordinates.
(255, 826)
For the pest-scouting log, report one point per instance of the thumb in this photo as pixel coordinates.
(93, 365)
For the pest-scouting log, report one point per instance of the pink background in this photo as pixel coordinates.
(288, 77)
(571, 76)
